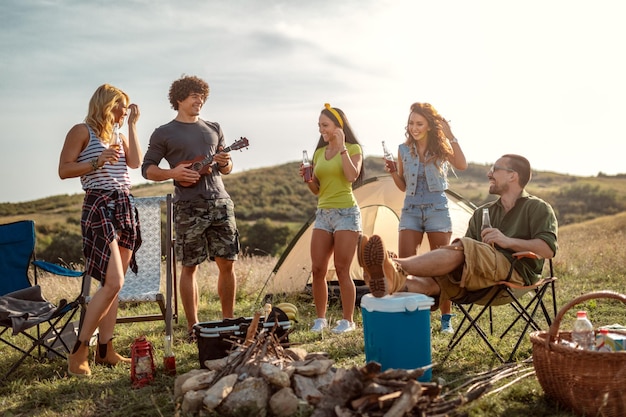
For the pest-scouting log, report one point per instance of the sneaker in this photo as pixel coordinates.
(319, 325)
(343, 326)
(446, 323)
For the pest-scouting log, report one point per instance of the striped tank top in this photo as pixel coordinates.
(109, 177)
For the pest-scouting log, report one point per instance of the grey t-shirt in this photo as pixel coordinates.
(177, 142)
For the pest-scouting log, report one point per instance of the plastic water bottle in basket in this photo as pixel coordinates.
(582, 333)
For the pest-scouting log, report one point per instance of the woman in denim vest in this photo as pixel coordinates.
(422, 173)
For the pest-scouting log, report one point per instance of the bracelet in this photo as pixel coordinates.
(94, 164)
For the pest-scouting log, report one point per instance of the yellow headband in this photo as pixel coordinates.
(335, 113)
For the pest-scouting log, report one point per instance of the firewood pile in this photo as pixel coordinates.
(261, 377)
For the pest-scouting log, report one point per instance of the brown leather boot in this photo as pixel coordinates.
(398, 277)
(106, 355)
(375, 258)
(78, 361)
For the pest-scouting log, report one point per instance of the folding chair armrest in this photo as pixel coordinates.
(57, 269)
(527, 254)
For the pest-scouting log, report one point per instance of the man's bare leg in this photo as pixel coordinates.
(422, 285)
(189, 294)
(226, 286)
(435, 263)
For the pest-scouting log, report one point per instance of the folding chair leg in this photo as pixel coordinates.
(471, 324)
(537, 300)
(40, 342)
(522, 311)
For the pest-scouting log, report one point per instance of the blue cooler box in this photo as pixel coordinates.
(396, 329)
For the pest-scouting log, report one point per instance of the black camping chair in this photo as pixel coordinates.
(526, 311)
(29, 323)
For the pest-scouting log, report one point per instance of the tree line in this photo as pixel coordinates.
(272, 204)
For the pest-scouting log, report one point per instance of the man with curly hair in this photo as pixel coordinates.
(204, 216)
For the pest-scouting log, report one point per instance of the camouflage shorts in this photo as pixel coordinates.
(205, 228)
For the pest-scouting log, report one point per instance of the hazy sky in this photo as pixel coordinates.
(544, 78)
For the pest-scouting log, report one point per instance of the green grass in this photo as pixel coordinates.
(590, 258)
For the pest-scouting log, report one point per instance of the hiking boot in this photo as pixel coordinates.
(78, 361)
(106, 355)
(374, 257)
(359, 255)
(390, 277)
(319, 325)
(344, 326)
(446, 323)
(396, 275)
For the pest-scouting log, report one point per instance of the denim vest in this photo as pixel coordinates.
(437, 180)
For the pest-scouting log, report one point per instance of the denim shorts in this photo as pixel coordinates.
(333, 220)
(426, 218)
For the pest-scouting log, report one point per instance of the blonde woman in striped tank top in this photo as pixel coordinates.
(100, 155)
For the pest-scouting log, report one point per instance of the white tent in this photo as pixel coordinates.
(381, 203)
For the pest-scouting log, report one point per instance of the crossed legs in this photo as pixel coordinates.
(415, 272)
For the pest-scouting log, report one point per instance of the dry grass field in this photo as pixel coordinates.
(590, 259)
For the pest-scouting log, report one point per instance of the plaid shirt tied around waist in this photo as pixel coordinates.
(108, 215)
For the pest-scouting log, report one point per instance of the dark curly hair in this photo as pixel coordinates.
(186, 85)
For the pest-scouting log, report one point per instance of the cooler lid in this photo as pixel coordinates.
(397, 302)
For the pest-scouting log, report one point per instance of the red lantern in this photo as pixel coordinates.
(142, 363)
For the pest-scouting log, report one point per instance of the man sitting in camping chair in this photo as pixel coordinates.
(466, 270)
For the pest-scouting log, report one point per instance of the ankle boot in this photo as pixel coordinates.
(106, 355)
(396, 276)
(78, 360)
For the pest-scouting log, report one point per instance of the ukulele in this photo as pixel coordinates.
(202, 163)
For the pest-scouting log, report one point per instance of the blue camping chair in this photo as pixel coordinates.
(29, 323)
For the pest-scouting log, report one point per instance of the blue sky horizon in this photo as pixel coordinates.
(542, 79)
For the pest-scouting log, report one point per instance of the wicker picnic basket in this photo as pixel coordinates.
(587, 382)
